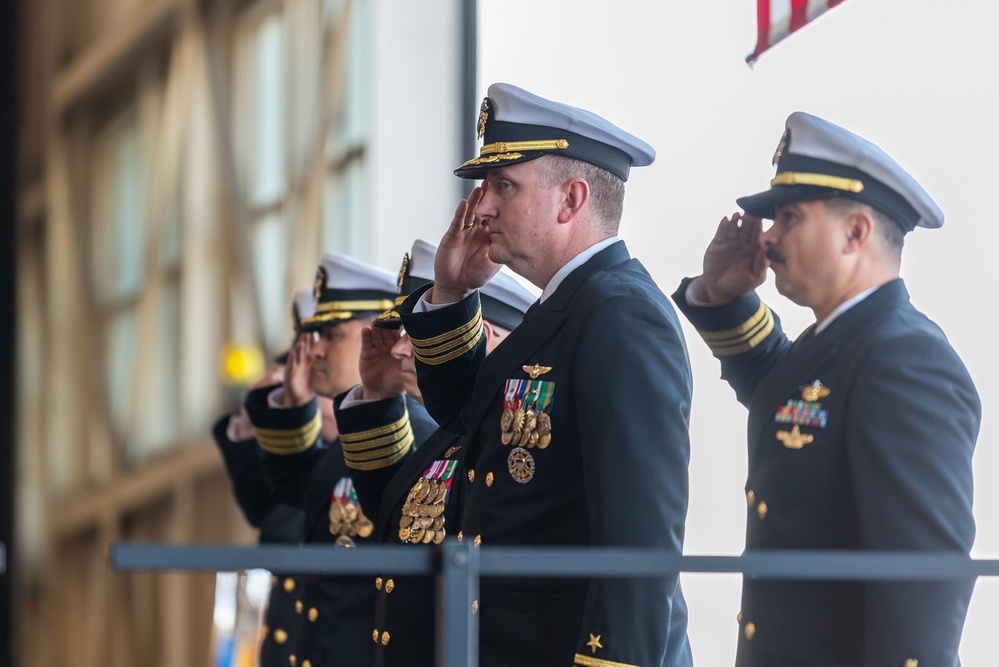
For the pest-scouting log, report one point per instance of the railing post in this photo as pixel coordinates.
(457, 592)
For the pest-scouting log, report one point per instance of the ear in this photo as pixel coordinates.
(576, 193)
(859, 229)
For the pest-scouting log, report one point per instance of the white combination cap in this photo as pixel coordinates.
(347, 288)
(817, 159)
(517, 126)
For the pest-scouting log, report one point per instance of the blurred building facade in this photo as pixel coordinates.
(182, 164)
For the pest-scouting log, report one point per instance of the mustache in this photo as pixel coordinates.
(774, 256)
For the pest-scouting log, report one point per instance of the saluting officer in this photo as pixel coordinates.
(308, 471)
(420, 496)
(277, 522)
(861, 431)
(577, 423)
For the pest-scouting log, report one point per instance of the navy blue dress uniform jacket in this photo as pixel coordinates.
(335, 615)
(609, 351)
(404, 624)
(860, 437)
(277, 523)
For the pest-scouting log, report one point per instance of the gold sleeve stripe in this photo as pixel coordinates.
(290, 441)
(437, 361)
(463, 344)
(730, 334)
(742, 338)
(386, 457)
(474, 323)
(587, 661)
(434, 356)
(375, 432)
(378, 447)
(374, 443)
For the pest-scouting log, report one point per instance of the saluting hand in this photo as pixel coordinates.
(735, 262)
(462, 263)
(380, 372)
(298, 372)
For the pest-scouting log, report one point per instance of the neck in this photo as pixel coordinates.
(573, 245)
(837, 298)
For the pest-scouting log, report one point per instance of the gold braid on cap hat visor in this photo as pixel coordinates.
(818, 180)
(344, 310)
(507, 150)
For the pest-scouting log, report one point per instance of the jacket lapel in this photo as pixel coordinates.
(541, 323)
(816, 353)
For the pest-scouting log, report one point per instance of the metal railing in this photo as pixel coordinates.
(3, 558)
(458, 567)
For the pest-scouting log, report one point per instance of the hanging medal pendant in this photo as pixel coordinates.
(520, 464)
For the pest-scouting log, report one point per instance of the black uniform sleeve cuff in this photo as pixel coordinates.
(283, 431)
(374, 435)
(730, 329)
(444, 334)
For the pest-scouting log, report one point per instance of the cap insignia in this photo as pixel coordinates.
(317, 287)
(785, 141)
(483, 117)
(403, 271)
(814, 391)
(536, 370)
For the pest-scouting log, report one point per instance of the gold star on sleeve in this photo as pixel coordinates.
(594, 642)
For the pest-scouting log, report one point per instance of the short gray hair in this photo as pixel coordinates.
(606, 189)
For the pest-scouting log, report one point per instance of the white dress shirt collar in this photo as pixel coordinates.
(575, 263)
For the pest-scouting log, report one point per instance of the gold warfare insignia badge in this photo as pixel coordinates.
(794, 439)
(814, 391)
(403, 272)
(317, 286)
(536, 370)
(483, 117)
(785, 141)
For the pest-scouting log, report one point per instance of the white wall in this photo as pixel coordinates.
(918, 77)
(415, 67)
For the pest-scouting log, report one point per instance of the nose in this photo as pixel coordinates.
(402, 349)
(487, 205)
(771, 237)
(318, 348)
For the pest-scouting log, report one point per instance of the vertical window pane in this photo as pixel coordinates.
(350, 132)
(269, 114)
(170, 238)
(269, 253)
(344, 211)
(156, 428)
(128, 200)
(119, 351)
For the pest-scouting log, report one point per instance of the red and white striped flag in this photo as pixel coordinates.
(776, 19)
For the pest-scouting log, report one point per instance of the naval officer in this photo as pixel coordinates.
(576, 424)
(861, 431)
(277, 522)
(419, 498)
(304, 463)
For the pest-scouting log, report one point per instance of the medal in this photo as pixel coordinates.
(422, 519)
(346, 517)
(525, 421)
(520, 463)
